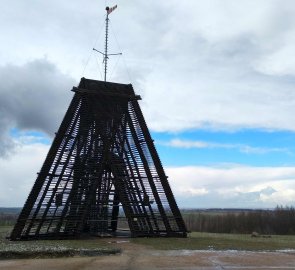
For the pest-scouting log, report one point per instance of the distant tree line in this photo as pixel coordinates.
(7, 219)
(281, 220)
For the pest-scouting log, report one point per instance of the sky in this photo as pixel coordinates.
(217, 81)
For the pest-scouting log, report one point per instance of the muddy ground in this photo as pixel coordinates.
(139, 257)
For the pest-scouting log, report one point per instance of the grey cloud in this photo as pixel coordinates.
(227, 63)
(6, 143)
(33, 97)
(212, 65)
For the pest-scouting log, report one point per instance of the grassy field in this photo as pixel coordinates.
(213, 241)
(98, 246)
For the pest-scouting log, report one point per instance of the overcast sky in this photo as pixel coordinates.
(217, 78)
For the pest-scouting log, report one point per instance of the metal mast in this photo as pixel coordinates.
(106, 45)
(106, 54)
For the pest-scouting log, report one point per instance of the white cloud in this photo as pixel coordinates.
(233, 186)
(188, 144)
(179, 143)
(225, 103)
(214, 75)
(18, 172)
(193, 191)
(279, 62)
(285, 197)
(193, 186)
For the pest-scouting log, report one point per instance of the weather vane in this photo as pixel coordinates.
(106, 54)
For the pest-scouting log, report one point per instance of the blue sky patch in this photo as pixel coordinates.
(249, 147)
(30, 137)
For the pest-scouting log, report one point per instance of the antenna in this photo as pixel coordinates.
(106, 54)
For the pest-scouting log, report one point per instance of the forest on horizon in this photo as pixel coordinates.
(280, 221)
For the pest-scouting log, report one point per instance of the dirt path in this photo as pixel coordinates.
(138, 257)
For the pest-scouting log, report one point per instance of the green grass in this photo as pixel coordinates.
(51, 248)
(214, 241)
(96, 246)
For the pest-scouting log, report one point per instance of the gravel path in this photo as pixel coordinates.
(137, 257)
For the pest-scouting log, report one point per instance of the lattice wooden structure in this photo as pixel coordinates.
(102, 158)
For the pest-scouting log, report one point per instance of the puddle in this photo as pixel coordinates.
(119, 242)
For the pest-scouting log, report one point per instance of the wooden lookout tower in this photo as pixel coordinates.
(102, 162)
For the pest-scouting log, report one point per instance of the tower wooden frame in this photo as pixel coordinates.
(102, 159)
